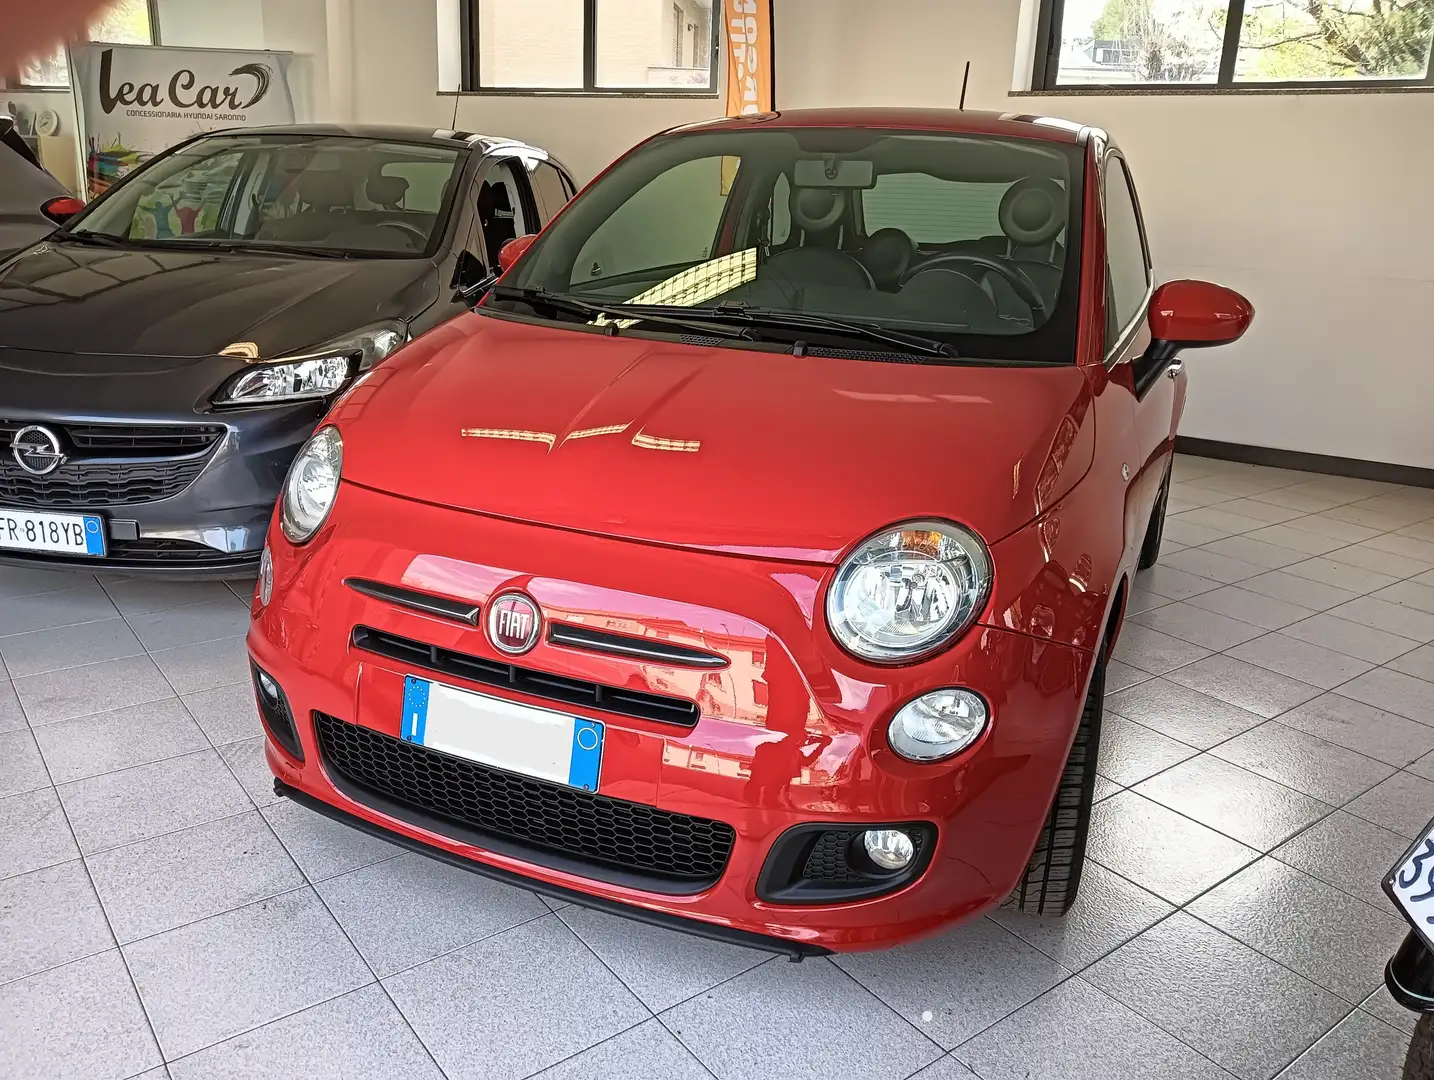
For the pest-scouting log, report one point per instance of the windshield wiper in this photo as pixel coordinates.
(678, 317)
(795, 320)
(258, 246)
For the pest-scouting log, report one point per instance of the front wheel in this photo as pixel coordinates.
(1053, 874)
(1419, 1063)
(1155, 531)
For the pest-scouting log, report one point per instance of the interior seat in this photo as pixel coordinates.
(819, 213)
(386, 191)
(1032, 215)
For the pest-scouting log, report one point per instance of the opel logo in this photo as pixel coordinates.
(514, 623)
(37, 450)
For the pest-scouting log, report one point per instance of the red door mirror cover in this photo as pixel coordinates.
(513, 250)
(1189, 314)
(61, 209)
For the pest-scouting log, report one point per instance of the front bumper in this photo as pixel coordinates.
(790, 733)
(190, 511)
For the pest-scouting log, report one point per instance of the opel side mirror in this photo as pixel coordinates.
(1196, 314)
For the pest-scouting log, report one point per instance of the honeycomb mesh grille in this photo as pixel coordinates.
(90, 483)
(552, 817)
(830, 856)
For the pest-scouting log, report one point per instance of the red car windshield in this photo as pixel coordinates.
(971, 240)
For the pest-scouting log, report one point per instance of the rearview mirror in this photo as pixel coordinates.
(1195, 314)
(830, 172)
(513, 250)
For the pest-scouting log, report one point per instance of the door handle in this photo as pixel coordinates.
(1175, 368)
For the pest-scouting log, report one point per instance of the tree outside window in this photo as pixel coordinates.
(125, 22)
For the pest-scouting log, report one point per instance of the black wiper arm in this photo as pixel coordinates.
(635, 312)
(796, 320)
(99, 239)
(262, 248)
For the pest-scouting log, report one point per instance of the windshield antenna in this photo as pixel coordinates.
(966, 78)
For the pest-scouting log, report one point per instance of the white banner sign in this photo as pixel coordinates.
(135, 100)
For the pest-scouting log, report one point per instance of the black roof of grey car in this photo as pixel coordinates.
(381, 132)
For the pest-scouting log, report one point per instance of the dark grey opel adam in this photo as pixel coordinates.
(165, 354)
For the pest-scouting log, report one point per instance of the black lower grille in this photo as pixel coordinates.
(819, 864)
(593, 829)
(156, 554)
(85, 484)
(542, 684)
(831, 857)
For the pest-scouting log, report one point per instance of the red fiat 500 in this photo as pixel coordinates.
(749, 559)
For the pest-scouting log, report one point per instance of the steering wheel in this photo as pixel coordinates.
(416, 233)
(1020, 283)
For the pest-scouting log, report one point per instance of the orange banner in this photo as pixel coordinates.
(750, 78)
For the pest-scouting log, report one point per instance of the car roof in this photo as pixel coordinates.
(397, 133)
(955, 121)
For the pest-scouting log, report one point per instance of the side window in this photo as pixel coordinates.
(549, 188)
(1127, 269)
(692, 194)
(501, 208)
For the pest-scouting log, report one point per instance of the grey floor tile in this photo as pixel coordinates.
(246, 759)
(1326, 935)
(1129, 752)
(1410, 594)
(1351, 638)
(204, 665)
(947, 1068)
(142, 595)
(1205, 563)
(790, 1017)
(1077, 1033)
(1108, 912)
(1161, 851)
(1303, 501)
(80, 691)
(109, 741)
(1246, 686)
(150, 800)
(562, 1004)
(1154, 652)
(1105, 787)
(1294, 589)
(1419, 663)
(359, 1036)
(214, 979)
(1391, 618)
(662, 967)
(1240, 1009)
(1181, 713)
(1304, 762)
(1190, 533)
(1251, 608)
(1342, 575)
(1188, 622)
(1374, 560)
(16, 581)
(1265, 555)
(1244, 806)
(69, 646)
(645, 1052)
(1395, 692)
(181, 877)
(1118, 677)
(405, 911)
(1402, 804)
(1257, 507)
(1301, 660)
(1175, 584)
(1307, 543)
(227, 713)
(1359, 1047)
(21, 767)
(47, 918)
(206, 621)
(12, 717)
(77, 1022)
(84, 603)
(1217, 517)
(966, 980)
(1362, 728)
(1383, 1006)
(322, 847)
(33, 833)
(1347, 852)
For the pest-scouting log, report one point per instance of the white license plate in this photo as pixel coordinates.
(59, 534)
(1411, 884)
(548, 745)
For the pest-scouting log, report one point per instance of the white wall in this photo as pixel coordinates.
(237, 24)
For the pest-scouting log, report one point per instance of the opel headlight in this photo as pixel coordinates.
(312, 485)
(319, 373)
(908, 591)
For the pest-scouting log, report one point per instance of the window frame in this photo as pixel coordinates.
(469, 21)
(1045, 76)
(1116, 348)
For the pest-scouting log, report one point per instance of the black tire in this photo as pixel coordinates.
(1053, 875)
(1155, 531)
(1419, 1064)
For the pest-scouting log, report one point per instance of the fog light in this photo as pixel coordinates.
(890, 849)
(265, 585)
(937, 725)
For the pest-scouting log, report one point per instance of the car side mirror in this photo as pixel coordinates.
(1196, 314)
(513, 250)
(60, 210)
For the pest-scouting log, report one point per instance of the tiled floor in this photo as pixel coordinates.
(1269, 750)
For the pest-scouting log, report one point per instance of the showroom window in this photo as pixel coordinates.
(590, 46)
(1232, 44)
(1128, 265)
(125, 22)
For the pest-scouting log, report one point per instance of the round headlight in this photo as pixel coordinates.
(937, 725)
(907, 591)
(312, 485)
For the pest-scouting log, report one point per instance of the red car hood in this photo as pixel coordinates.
(725, 449)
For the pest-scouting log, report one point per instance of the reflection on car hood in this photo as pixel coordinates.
(72, 298)
(728, 449)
